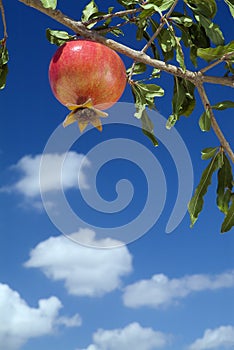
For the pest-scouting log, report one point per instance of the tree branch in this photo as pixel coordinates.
(197, 78)
(214, 123)
(156, 33)
(225, 81)
(3, 20)
(78, 27)
(225, 57)
(163, 21)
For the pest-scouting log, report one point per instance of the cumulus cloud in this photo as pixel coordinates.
(162, 291)
(57, 168)
(20, 322)
(133, 336)
(221, 337)
(85, 271)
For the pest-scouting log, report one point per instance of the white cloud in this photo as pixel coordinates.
(65, 167)
(133, 336)
(85, 271)
(162, 291)
(69, 322)
(215, 339)
(20, 322)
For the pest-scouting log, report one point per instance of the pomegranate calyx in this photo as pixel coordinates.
(84, 114)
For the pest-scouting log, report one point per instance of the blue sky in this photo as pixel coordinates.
(162, 290)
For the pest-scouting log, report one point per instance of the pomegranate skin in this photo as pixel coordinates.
(84, 69)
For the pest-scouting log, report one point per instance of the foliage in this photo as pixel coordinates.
(178, 34)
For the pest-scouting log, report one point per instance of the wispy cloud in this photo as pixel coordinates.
(59, 170)
(217, 338)
(162, 291)
(20, 322)
(133, 336)
(85, 271)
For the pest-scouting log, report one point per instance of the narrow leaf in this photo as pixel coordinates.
(171, 121)
(207, 8)
(196, 203)
(205, 121)
(231, 6)
(223, 105)
(4, 56)
(148, 128)
(166, 4)
(57, 37)
(3, 76)
(208, 152)
(52, 4)
(139, 68)
(89, 10)
(212, 30)
(210, 53)
(144, 95)
(228, 222)
(180, 55)
(224, 188)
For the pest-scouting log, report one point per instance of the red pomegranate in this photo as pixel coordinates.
(87, 77)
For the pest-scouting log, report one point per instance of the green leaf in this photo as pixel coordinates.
(212, 30)
(127, 3)
(139, 68)
(144, 95)
(167, 40)
(166, 4)
(89, 10)
(171, 121)
(228, 222)
(117, 32)
(148, 128)
(57, 37)
(208, 152)
(156, 73)
(223, 105)
(224, 188)
(207, 8)
(196, 203)
(52, 4)
(205, 121)
(158, 5)
(210, 54)
(198, 36)
(180, 55)
(193, 55)
(183, 101)
(4, 56)
(181, 19)
(231, 6)
(150, 91)
(3, 75)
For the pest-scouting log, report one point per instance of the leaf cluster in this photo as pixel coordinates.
(183, 33)
(170, 34)
(4, 58)
(225, 198)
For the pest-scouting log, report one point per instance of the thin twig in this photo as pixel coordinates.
(163, 21)
(214, 123)
(225, 57)
(156, 33)
(110, 29)
(111, 15)
(3, 20)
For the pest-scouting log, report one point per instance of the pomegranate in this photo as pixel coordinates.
(87, 77)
